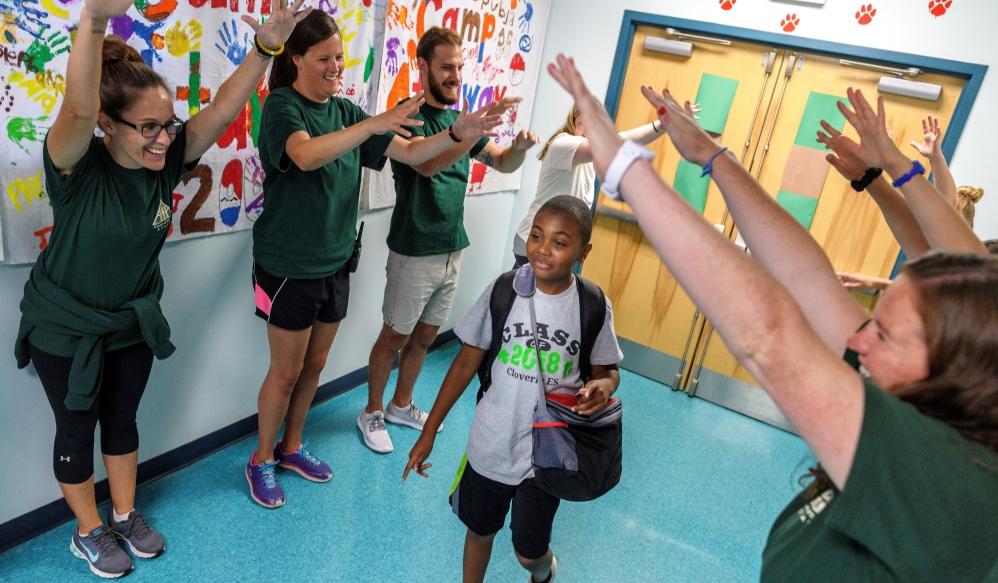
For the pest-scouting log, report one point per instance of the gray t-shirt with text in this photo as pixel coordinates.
(500, 443)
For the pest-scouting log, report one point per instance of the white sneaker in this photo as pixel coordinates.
(372, 427)
(412, 416)
(554, 571)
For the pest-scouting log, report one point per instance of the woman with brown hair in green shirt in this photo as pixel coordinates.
(909, 448)
(313, 145)
(91, 320)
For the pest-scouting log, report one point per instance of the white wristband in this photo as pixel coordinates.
(629, 152)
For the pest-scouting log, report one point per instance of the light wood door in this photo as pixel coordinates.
(649, 306)
(847, 224)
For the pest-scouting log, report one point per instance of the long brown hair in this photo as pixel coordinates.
(958, 303)
(568, 128)
(123, 74)
(312, 30)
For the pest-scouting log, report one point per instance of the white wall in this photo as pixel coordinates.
(587, 30)
(212, 379)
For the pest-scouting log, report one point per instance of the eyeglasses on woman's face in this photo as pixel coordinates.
(152, 130)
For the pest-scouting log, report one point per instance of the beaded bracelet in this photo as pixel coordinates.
(264, 51)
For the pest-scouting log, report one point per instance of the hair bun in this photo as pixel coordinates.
(116, 50)
(970, 193)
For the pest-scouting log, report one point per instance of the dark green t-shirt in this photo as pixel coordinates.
(920, 504)
(109, 226)
(429, 211)
(309, 219)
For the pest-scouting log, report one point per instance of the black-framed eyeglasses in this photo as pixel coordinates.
(151, 130)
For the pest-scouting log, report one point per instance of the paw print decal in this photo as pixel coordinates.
(790, 23)
(939, 7)
(727, 4)
(866, 14)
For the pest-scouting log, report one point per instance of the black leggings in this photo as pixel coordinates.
(126, 372)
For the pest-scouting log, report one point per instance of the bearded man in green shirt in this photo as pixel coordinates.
(427, 235)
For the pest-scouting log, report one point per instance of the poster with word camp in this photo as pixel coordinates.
(195, 45)
(502, 52)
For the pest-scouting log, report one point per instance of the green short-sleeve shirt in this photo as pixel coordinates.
(429, 211)
(109, 226)
(920, 504)
(309, 219)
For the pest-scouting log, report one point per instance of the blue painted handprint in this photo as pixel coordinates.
(393, 48)
(233, 50)
(525, 18)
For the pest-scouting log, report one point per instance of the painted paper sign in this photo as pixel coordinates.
(195, 45)
(502, 57)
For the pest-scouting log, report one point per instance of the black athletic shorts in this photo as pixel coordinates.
(295, 304)
(482, 504)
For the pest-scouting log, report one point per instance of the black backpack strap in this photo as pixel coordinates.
(500, 304)
(592, 304)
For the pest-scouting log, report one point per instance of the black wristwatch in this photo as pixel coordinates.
(867, 179)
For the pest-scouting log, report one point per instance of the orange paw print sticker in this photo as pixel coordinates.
(727, 4)
(790, 23)
(866, 14)
(939, 7)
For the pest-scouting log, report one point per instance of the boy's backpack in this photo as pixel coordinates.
(593, 307)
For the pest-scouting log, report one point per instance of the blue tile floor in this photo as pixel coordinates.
(700, 489)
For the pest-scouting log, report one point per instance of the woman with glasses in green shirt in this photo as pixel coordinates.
(91, 320)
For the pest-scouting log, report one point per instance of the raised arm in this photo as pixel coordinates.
(461, 371)
(759, 321)
(776, 239)
(644, 134)
(73, 127)
(207, 125)
(428, 155)
(931, 148)
(941, 223)
(894, 207)
(509, 159)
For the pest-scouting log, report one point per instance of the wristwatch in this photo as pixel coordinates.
(629, 152)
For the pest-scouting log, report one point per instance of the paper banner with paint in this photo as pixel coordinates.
(807, 168)
(195, 46)
(502, 53)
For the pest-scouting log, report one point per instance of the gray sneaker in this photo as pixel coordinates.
(142, 539)
(412, 416)
(101, 551)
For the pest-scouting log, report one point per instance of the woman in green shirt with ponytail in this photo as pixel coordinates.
(91, 320)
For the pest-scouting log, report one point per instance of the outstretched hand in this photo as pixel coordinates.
(932, 137)
(420, 451)
(474, 125)
(604, 141)
(502, 106)
(848, 164)
(876, 147)
(274, 32)
(692, 141)
(396, 118)
(107, 9)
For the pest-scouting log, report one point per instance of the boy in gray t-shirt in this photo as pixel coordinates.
(499, 467)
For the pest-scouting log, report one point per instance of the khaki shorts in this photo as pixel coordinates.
(419, 289)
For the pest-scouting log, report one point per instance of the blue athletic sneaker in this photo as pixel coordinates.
(143, 539)
(263, 484)
(303, 462)
(100, 549)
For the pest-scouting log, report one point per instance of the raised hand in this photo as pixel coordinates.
(420, 451)
(603, 138)
(861, 281)
(525, 140)
(932, 139)
(843, 160)
(502, 106)
(692, 141)
(396, 118)
(471, 126)
(276, 30)
(107, 9)
(876, 147)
